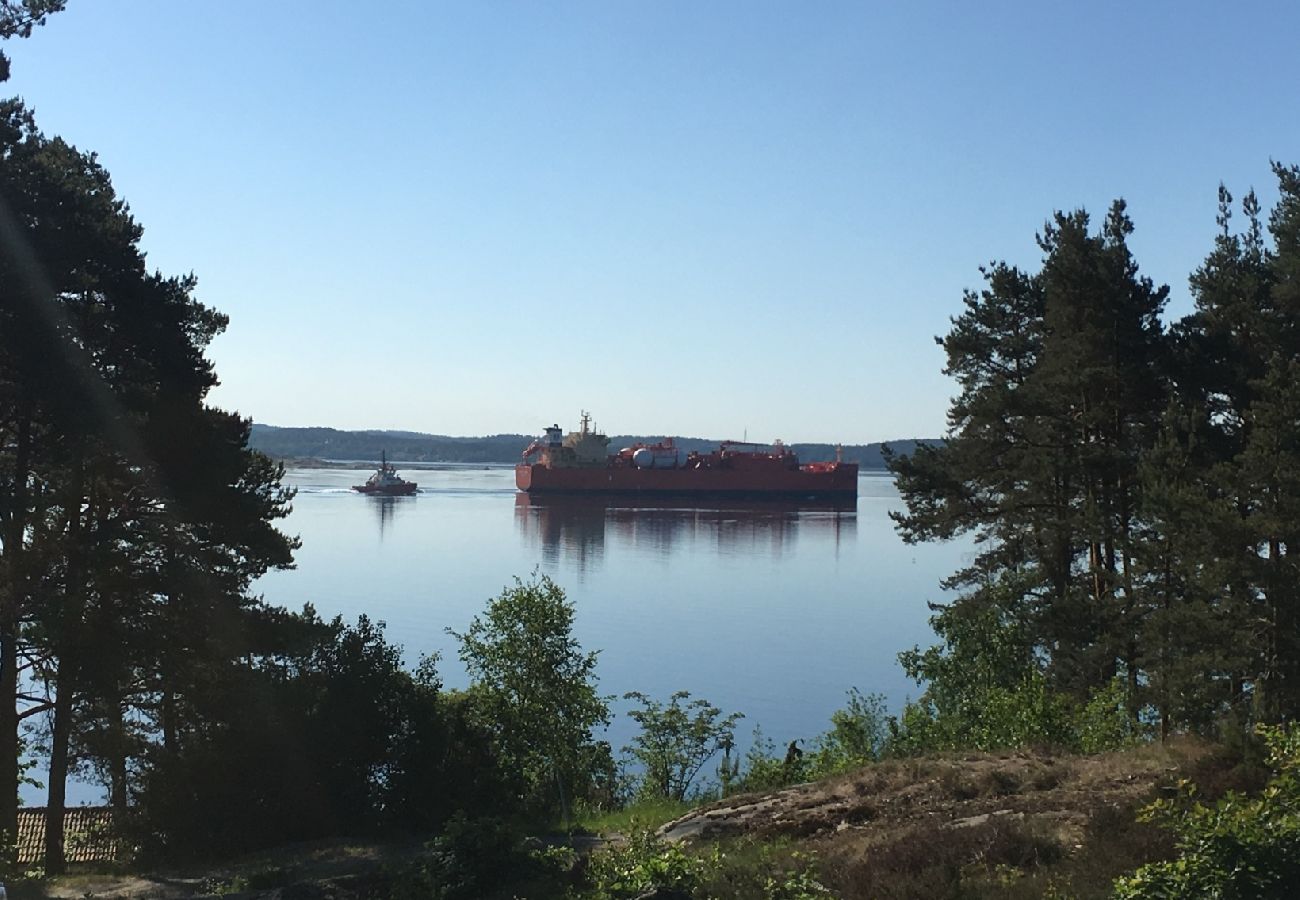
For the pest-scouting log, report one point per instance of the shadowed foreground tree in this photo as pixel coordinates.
(320, 732)
(126, 504)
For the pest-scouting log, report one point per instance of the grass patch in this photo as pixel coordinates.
(642, 815)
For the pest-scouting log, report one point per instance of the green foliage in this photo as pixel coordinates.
(676, 740)
(1238, 848)
(984, 689)
(477, 857)
(534, 691)
(19, 17)
(135, 518)
(1106, 721)
(763, 769)
(1025, 714)
(644, 863)
(636, 815)
(857, 736)
(328, 735)
(1128, 488)
(798, 882)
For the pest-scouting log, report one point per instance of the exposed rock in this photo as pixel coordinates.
(1055, 794)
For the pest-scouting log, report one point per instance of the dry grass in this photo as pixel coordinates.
(973, 825)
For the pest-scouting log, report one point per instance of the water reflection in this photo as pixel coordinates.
(386, 509)
(575, 529)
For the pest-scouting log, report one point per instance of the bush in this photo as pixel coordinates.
(1237, 848)
(675, 741)
(645, 863)
(992, 718)
(474, 858)
(330, 736)
(1106, 722)
(763, 769)
(858, 735)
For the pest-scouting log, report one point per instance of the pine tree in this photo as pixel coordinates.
(110, 464)
(1062, 376)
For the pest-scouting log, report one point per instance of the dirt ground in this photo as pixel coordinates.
(327, 870)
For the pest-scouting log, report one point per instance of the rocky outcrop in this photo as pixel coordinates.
(1054, 793)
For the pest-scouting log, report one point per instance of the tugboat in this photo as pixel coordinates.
(386, 482)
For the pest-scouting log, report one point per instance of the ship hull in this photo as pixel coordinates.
(403, 490)
(840, 481)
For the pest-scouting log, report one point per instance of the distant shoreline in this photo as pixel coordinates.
(312, 462)
(330, 448)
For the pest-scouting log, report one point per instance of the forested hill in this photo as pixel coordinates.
(409, 446)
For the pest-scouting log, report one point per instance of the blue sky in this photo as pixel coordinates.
(690, 218)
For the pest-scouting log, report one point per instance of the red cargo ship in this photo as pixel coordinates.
(580, 463)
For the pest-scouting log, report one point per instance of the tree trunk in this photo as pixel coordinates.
(12, 593)
(68, 650)
(9, 745)
(61, 731)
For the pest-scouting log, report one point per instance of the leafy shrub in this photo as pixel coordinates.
(857, 736)
(1237, 848)
(461, 862)
(1106, 721)
(992, 718)
(643, 864)
(800, 882)
(675, 741)
(330, 735)
(474, 858)
(763, 769)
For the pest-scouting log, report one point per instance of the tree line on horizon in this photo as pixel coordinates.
(328, 444)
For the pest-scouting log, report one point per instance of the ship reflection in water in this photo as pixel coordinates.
(574, 529)
(387, 509)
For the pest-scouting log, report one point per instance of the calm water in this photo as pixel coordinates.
(771, 609)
